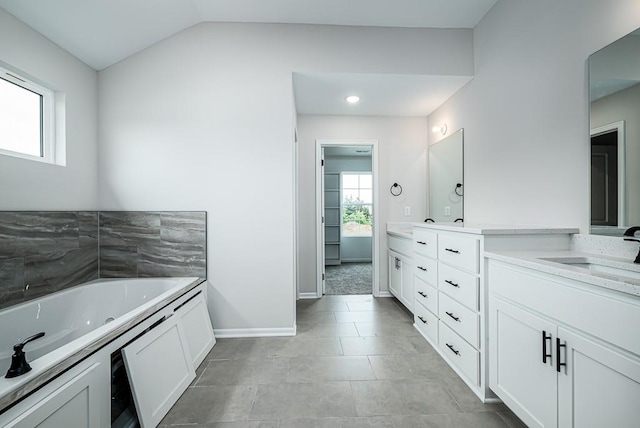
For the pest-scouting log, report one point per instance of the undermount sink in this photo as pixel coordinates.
(619, 270)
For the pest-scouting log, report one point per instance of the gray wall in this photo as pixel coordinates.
(55, 250)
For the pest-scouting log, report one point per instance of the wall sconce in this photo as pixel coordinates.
(442, 129)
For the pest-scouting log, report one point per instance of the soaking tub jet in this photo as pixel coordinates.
(152, 322)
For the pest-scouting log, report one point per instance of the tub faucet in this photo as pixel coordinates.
(631, 233)
(19, 364)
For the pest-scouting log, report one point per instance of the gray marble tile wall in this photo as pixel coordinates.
(152, 244)
(46, 250)
(53, 250)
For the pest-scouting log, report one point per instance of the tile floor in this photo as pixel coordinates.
(357, 361)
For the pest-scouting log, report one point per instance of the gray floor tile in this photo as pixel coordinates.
(402, 397)
(238, 424)
(224, 348)
(321, 305)
(422, 366)
(212, 404)
(287, 347)
(370, 316)
(326, 329)
(358, 422)
(466, 399)
(303, 316)
(460, 420)
(381, 304)
(303, 400)
(349, 298)
(386, 328)
(319, 347)
(387, 345)
(511, 420)
(245, 371)
(327, 369)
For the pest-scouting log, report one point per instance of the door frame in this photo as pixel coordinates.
(375, 250)
(622, 174)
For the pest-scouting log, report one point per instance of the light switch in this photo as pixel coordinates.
(447, 211)
(407, 211)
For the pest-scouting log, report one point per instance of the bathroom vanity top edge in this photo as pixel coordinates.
(498, 229)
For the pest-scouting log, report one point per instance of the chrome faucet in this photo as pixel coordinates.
(631, 232)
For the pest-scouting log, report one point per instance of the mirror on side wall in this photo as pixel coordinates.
(446, 187)
(614, 98)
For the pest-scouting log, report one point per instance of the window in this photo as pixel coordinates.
(26, 118)
(357, 204)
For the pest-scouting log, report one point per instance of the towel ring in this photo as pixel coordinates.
(393, 186)
(458, 186)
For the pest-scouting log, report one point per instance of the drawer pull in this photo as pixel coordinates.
(452, 349)
(452, 316)
(558, 346)
(423, 320)
(423, 294)
(451, 283)
(421, 242)
(422, 268)
(452, 250)
(545, 355)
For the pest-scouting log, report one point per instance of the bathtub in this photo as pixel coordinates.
(77, 322)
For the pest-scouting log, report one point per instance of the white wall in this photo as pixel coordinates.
(525, 113)
(203, 120)
(402, 158)
(624, 105)
(32, 185)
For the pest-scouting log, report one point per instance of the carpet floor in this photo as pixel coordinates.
(349, 278)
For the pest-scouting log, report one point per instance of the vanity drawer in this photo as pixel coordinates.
(462, 320)
(400, 245)
(426, 269)
(463, 355)
(462, 286)
(426, 322)
(425, 242)
(426, 295)
(460, 251)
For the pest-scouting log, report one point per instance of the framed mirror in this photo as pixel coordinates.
(614, 101)
(446, 184)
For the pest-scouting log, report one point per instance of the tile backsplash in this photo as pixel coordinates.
(45, 251)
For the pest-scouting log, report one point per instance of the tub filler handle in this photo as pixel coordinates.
(19, 364)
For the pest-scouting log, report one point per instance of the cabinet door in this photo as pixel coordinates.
(406, 289)
(598, 387)
(395, 274)
(76, 404)
(196, 325)
(160, 369)
(517, 374)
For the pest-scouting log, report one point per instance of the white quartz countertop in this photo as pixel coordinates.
(535, 260)
(402, 229)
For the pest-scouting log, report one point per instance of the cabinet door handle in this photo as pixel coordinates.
(422, 268)
(451, 283)
(452, 349)
(423, 320)
(545, 355)
(558, 346)
(423, 294)
(421, 242)
(451, 250)
(452, 316)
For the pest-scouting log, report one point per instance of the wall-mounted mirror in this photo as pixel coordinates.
(446, 184)
(614, 95)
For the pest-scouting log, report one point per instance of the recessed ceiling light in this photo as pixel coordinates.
(352, 99)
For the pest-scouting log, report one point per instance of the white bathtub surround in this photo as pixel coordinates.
(77, 323)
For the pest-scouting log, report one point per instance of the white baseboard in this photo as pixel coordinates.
(225, 333)
(308, 295)
(384, 293)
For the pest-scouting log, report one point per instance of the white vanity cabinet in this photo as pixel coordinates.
(563, 353)
(450, 306)
(401, 269)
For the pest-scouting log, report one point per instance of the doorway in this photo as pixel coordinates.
(346, 218)
(608, 176)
